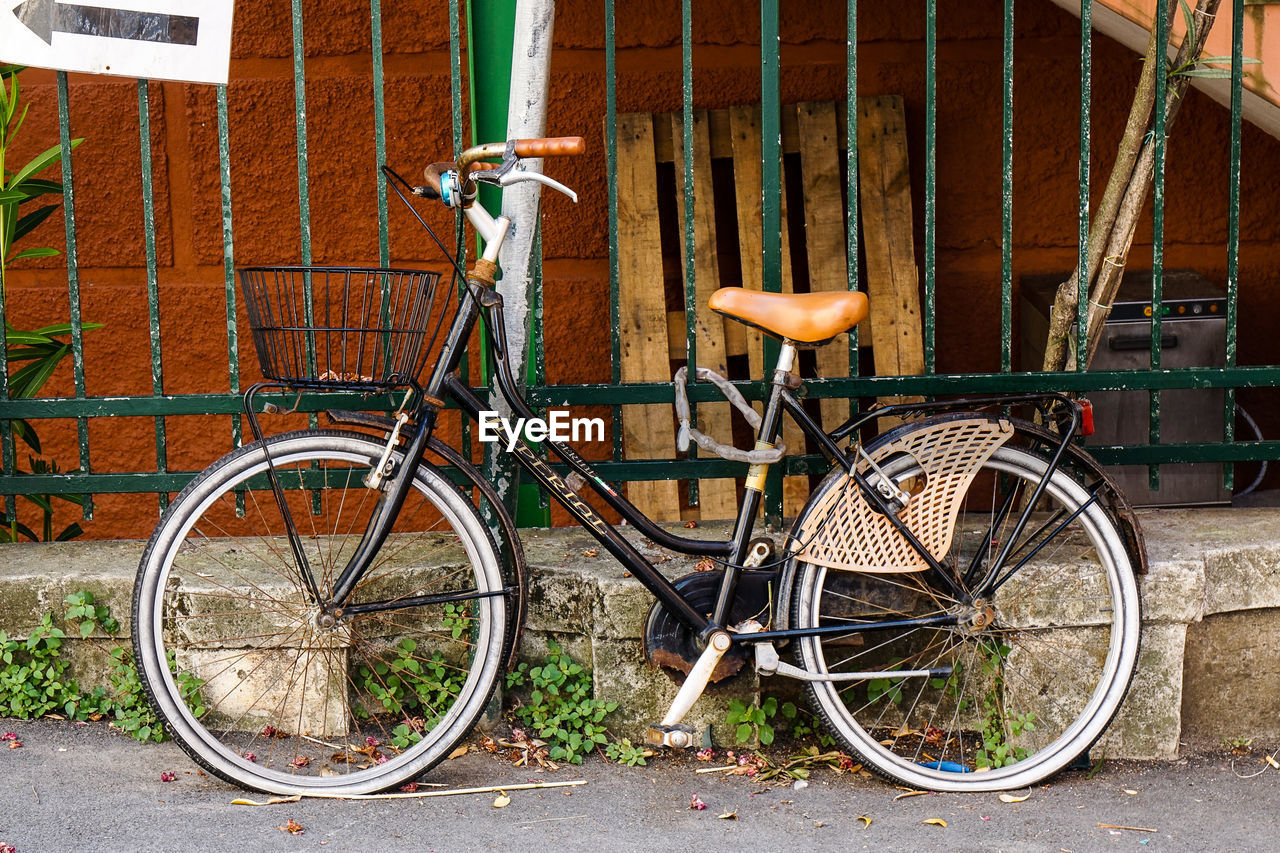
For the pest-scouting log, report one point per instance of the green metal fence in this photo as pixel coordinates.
(83, 407)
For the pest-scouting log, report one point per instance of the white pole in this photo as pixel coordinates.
(526, 118)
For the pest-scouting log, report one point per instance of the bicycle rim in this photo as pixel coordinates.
(1028, 679)
(265, 695)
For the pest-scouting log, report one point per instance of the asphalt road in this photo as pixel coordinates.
(90, 788)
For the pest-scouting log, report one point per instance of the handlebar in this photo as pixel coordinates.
(471, 161)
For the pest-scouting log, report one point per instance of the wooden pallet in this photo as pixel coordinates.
(652, 338)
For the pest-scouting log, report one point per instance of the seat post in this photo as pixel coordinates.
(771, 423)
(786, 359)
(770, 426)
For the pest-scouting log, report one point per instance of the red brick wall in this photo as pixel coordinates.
(726, 58)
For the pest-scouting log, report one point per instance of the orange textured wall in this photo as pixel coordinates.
(726, 58)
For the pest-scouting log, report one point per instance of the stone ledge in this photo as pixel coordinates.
(1211, 636)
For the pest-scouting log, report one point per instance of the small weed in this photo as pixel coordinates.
(622, 752)
(1238, 745)
(407, 685)
(82, 609)
(998, 726)
(748, 719)
(560, 709)
(32, 680)
(805, 726)
(457, 619)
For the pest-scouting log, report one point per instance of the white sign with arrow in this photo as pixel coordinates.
(163, 39)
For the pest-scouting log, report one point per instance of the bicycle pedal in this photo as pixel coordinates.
(679, 736)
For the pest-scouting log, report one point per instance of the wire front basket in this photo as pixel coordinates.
(342, 327)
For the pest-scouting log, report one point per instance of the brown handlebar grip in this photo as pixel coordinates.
(556, 147)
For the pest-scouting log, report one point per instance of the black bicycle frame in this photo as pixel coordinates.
(445, 383)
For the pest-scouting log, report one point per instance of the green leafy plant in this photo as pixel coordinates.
(999, 728)
(408, 685)
(82, 608)
(747, 720)
(39, 351)
(805, 726)
(1238, 745)
(45, 504)
(33, 680)
(560, 708)
(622, 752)
(457, 619)
(129, 709)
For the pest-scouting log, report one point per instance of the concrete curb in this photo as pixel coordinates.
(1208, 668)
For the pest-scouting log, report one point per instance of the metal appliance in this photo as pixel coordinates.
(1193, 334)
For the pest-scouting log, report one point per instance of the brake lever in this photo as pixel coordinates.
(518, 175)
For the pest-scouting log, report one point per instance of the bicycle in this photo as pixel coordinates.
(325, 611)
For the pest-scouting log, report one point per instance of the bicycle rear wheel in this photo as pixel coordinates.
(264, 694)
(1027, 679)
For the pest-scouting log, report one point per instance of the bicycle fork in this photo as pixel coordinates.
(398, 483)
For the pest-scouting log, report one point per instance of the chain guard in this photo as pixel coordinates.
(673, 648)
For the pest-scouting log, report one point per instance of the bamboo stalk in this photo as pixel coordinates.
(1111, 232)
(1103, 293)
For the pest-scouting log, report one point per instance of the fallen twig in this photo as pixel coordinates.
(417, 795)
(1130, 828)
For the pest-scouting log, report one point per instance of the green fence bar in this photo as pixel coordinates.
(851, 173)
(611, 171)
(73, 283)
(300, 121)
(229, 274)
(690, 241)
(1157, 229)
(1086, 131)
(153, 281)
(1006, 195)
(455, 115)
(379, 130)
(930, 177)
(1233, 223)
(7, 450)
(771, 218)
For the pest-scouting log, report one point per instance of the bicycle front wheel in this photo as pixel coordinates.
(1022, 681)
(263, 690)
